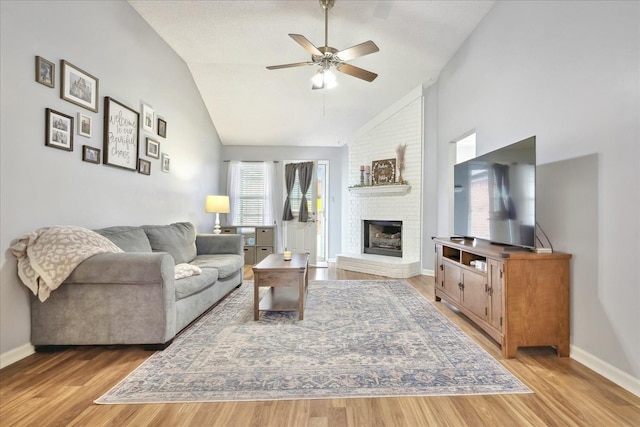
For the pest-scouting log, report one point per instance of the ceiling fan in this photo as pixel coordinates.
(327, 57)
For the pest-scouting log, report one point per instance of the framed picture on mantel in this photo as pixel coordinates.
(383, 171)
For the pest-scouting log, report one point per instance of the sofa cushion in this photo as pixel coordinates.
(129, 239)
(178, 239)
(226, 264)
(194, 284)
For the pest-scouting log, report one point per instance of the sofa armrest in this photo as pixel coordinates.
(125, 268)
(220, 244)
(111, 298)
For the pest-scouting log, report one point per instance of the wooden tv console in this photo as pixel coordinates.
(520, 300)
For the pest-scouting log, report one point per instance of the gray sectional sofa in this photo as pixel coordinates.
(133, 297)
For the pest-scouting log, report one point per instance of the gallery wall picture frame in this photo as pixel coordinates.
(78, 86)
(58, 130)
(166, 163)
(90, 154)
(144, 167)
(148, 118)
(383, 171)
(121, 135)
(85, 125)
(162, 128)
(153, 148)
(45, 72)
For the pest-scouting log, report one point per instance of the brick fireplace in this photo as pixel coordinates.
(385, 204)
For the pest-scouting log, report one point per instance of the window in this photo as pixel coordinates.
(466, 148)
(250, 193)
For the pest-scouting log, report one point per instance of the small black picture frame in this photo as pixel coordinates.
(90, 154)
(45, 72)
(162, 128)
(144, 167)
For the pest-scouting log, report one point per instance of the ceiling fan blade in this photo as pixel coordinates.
(309, 47)
(295, 64)
(356, 72)
(358, 50)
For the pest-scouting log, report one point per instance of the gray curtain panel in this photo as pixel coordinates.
(290, 177)
(305, 171)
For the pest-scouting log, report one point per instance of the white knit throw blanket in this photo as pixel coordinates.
(47, 256)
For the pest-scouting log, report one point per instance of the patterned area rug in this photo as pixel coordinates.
(358, 339)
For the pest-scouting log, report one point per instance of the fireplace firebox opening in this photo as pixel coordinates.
(382, 238)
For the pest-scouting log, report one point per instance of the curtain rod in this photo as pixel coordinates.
(253, 161)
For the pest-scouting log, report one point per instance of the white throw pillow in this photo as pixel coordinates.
(186, 270)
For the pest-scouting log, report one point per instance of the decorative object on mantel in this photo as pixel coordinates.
(383, 171)
(361, 175)
(400, 160)
(367, 175)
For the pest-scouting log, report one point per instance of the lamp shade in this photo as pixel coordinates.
(217, 204)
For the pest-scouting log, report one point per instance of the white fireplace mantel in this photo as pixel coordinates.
(380, 190)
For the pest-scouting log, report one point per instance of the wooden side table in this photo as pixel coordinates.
(288, 281)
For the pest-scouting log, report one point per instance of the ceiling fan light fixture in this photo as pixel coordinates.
(330, 80)
(324, 79)
(318, 80)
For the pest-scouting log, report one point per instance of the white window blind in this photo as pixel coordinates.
(250, 196)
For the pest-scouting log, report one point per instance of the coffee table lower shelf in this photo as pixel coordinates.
(280, 299)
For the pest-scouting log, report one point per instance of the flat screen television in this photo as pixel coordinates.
(495, 195)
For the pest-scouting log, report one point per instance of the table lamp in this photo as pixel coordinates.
(217, 205)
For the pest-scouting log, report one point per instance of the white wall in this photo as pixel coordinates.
(430, 178)
(566, 72)
(42, 186)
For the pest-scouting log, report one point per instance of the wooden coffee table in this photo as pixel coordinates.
(288, 281)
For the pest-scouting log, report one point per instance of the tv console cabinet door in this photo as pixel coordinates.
(474, 295)
(451, 283)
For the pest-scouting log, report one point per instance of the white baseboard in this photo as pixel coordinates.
(611, 373)
(426, 272)
(16, 354)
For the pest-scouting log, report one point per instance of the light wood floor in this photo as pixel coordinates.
(58, 389)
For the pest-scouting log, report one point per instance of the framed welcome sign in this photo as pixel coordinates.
(120, 135)
(383, 171)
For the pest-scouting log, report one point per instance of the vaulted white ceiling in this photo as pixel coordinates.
(228, 44)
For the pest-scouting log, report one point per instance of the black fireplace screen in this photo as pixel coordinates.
(382, 238)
